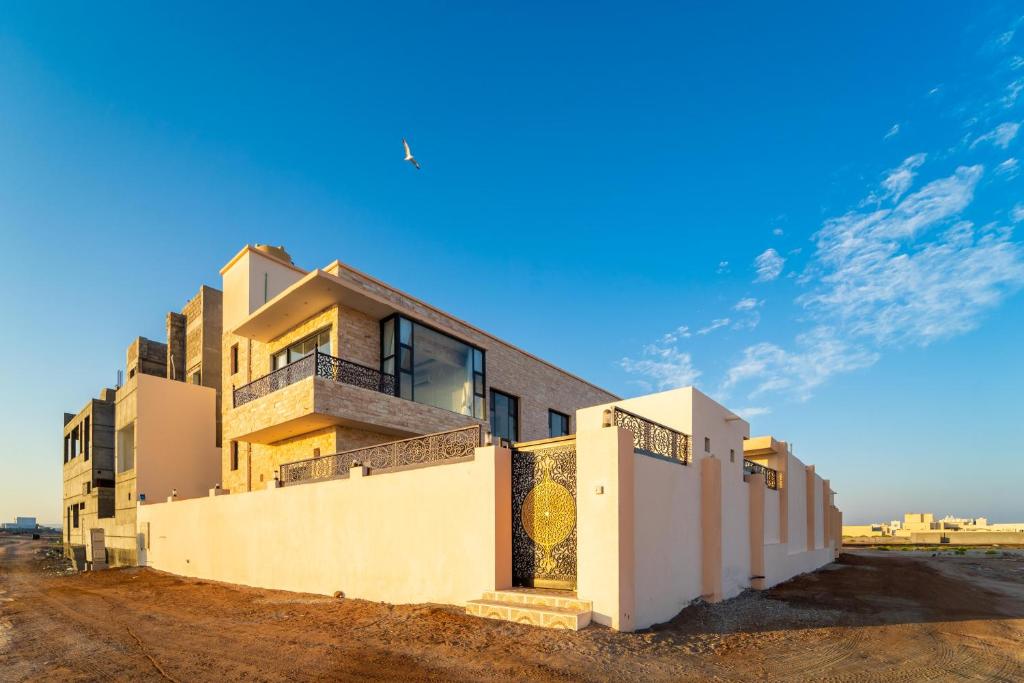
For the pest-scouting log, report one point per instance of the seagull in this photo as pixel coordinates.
(408, 155)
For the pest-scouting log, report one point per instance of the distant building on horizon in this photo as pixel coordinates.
(21, 524)
(917, 522)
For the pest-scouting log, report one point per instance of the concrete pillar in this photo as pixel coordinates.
(176, 333)
(783, 467)
(755, 486)
(496, 463)
(711, 528)
(810, 507)
(605, 547)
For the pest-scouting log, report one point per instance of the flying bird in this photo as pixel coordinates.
(408, 155)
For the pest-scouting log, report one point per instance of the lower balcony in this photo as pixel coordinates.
(320, 391)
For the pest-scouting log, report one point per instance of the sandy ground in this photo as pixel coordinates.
(872, 616)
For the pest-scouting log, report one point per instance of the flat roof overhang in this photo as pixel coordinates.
(312, 294)
(761, 445)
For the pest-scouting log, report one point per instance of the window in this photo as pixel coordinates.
(74, 442)
(732, 455)
(234, 359)
(432, 367)
(74, 516)
(320, 341)
(85, 438)
(67, 447)
(234, 455)
(195, 377)
(131, 373)
(504, 416)
(125, 446)
(558, 423)
(707, 444)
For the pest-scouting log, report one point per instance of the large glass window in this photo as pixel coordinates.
(558, 423)
(504, 416)
(321, 341)
(431, 367)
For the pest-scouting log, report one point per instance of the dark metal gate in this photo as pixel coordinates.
(544, 513)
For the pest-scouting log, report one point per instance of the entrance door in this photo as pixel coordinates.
(544, 514)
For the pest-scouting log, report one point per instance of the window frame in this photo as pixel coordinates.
(234, 358)
(478, 378)
(233, 457)
(289, 345)
(568, 423)
(512, 399)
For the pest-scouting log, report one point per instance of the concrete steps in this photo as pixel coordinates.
(549, 609)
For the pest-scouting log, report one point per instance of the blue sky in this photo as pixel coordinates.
(808, 211)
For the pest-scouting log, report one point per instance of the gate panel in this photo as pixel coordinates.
(544, 514)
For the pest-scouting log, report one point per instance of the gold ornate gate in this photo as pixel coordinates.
(544, 514)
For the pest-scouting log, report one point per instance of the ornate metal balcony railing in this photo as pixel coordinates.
(429, 449)
(771, 477)
(322, 365)
(654, 438)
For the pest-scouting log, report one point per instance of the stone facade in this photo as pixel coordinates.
(293, 422)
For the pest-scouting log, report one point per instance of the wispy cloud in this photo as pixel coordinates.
(1001, 136)
(1017, 213)
(893, 132)
(1008, 168)
(718, 323)
(820, 354)
(768, 265)
(681, 332)
(723, 267)
(1013, 91)
(777, 232)
(898, 180)
(747, 304)
(752, 412)
(668, 367)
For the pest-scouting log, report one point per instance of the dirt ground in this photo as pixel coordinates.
(872, 616)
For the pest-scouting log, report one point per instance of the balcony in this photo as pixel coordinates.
(320, 391)
(321, 365)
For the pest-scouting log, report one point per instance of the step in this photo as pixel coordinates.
(539, 598)
(535, 615)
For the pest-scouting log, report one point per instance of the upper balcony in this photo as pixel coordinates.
(321, 390)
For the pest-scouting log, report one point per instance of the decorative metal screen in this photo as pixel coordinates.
(544, 515)
(436, 449)
(771, 477)
(653, 438)
(322, 365)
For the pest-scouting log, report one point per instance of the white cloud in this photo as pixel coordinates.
(892, 131)
(934, 91)
(777, 232)
(1000, 136)
(1013, 91)
(747, 304)
(884, 277)
(898, 180)
(715, 324)
(768, 265)
(723, 267)
(752, 412)
(1009, 168)
(681, 332)
(1017, 213)
(820, 355)
(668, 367)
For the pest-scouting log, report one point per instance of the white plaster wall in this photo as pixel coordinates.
(668, 539)
(780, 565)
(420, 535)
(772, 532)
(796, 490)
(175, 438)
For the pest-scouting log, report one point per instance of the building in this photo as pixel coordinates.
(923, 527)
(155, 434)
(377, 446)
(323, 361)
(21, 524)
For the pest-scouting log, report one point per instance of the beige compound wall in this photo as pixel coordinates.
(432, 534)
